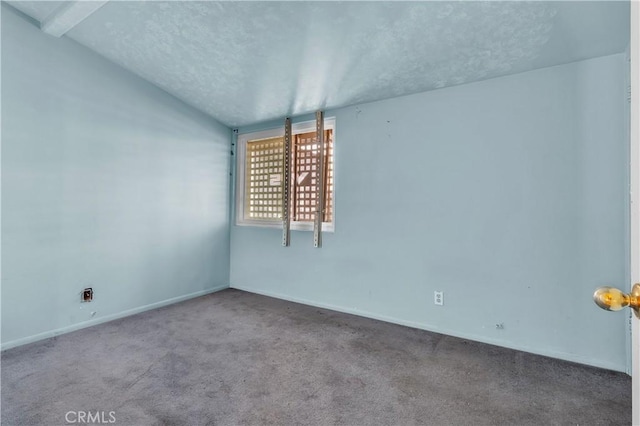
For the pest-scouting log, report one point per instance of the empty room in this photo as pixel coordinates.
(320, 213)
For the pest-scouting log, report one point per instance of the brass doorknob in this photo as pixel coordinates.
(612, 299)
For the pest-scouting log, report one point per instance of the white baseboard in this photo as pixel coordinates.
(107, 318)
(482, 339)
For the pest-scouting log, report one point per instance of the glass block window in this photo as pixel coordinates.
(263, 179)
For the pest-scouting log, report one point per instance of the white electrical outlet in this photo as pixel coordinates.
(438, 298)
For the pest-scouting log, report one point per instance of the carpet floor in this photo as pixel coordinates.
(235, 358)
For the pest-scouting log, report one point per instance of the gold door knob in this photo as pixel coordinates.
(612, 299)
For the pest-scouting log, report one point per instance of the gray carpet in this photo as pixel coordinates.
(238, 358)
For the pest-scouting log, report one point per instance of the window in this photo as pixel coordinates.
(260, 169)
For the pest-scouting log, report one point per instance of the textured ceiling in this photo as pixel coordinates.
(247, 62)
(38, 10)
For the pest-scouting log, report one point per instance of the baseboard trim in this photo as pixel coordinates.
(107, 318)
(427, 327)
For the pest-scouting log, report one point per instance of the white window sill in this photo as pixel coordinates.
(294, 226)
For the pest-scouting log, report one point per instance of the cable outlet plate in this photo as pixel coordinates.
(87, 295)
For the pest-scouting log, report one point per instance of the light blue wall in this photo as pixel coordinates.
(507, 194)
(107, 182)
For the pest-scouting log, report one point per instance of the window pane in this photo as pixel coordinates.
(305, 174)
(263, 179)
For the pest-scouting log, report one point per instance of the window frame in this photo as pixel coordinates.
(241, 149)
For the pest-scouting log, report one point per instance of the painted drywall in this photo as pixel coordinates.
(107, 182)
(509, 195)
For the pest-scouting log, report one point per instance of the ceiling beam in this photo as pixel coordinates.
(67, 16)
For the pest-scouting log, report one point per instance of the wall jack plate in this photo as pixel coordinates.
(87, 295)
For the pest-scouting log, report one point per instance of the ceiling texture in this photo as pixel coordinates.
(248, 62)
